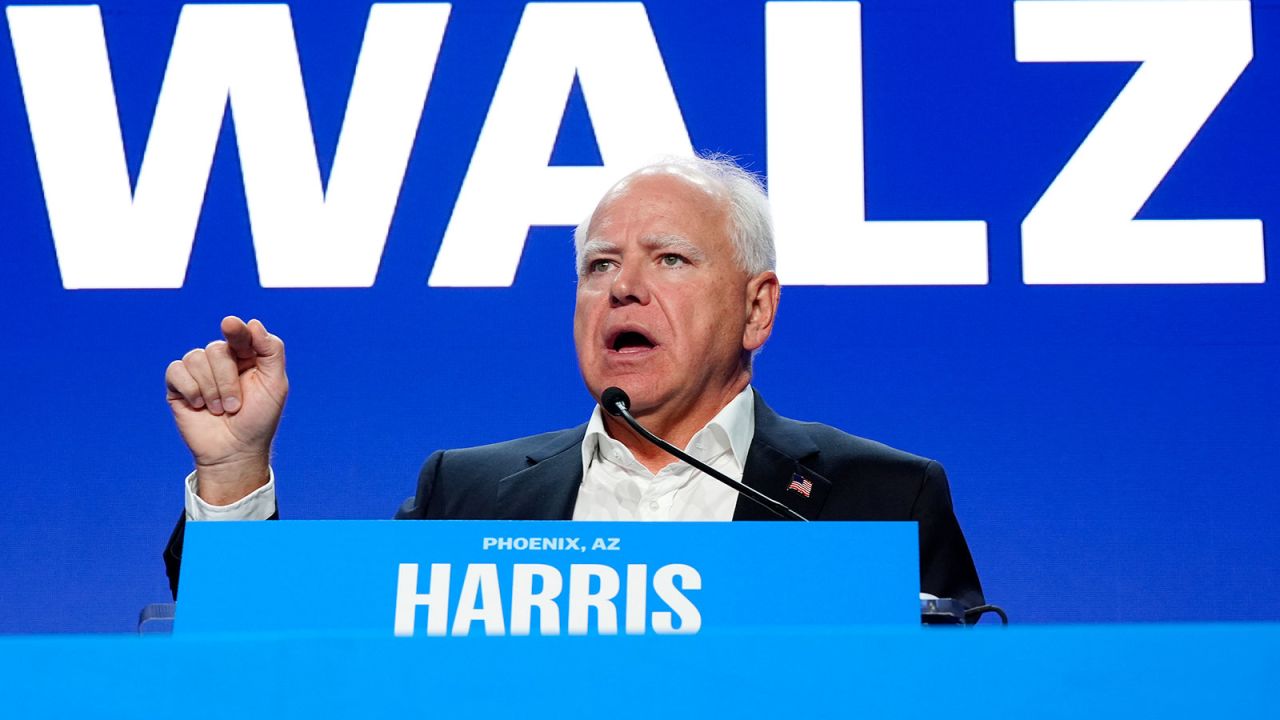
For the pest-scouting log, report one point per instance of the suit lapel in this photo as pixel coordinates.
(548, 488)
(776, 461)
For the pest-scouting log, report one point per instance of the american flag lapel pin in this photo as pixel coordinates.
(800, 484)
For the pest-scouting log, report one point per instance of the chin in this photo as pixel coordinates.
(644, 398)
(641, 390)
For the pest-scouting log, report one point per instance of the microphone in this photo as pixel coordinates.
(615, 402)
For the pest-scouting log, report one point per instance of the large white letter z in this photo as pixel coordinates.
(1083, 231)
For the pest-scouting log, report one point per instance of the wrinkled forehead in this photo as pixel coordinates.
(682, 181)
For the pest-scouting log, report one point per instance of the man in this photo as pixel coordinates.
(676, 292)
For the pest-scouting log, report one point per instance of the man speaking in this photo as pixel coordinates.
(676, 292)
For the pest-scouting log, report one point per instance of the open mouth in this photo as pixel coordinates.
(630, 341)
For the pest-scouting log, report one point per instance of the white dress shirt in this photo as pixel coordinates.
(615, 486)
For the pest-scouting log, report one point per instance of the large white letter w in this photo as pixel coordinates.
(108, 237)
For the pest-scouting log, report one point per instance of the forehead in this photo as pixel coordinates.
(662, 203)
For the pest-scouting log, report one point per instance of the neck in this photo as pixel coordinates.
(677, 428)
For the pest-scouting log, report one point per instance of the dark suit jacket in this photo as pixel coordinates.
(537, 478)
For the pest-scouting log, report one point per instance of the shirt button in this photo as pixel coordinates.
(653, 505)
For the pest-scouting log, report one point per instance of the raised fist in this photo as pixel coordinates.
(227, 399)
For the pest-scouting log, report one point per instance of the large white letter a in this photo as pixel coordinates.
(509, 185)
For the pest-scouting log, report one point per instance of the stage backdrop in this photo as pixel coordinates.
(1027, 239)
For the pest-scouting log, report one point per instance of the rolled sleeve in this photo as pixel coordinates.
(257, 505)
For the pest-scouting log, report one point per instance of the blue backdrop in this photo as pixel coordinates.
(1109, 445)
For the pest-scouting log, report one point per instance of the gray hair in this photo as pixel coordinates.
(750, 221)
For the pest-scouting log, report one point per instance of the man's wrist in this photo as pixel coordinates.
(228, 482)
(257, 505)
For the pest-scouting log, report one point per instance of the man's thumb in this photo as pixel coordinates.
(268, 348)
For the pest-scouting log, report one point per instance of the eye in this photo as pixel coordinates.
(673, 260)
(599, 266)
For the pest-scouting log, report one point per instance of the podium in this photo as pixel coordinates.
(299, 619)
(462, 578)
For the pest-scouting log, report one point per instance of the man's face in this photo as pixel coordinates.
(662, 305)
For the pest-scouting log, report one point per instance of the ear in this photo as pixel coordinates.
(763, 291)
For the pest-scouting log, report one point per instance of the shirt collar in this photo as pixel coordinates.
(735, 423)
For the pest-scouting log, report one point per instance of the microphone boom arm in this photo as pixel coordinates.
(768, 503)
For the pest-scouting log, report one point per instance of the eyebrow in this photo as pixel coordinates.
(675, 243)
(591, 249)
(598, 247)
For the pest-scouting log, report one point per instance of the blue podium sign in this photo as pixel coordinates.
(545, 577)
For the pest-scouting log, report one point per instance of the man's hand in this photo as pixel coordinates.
(227, 399)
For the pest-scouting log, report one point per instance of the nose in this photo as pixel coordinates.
(629, 286)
